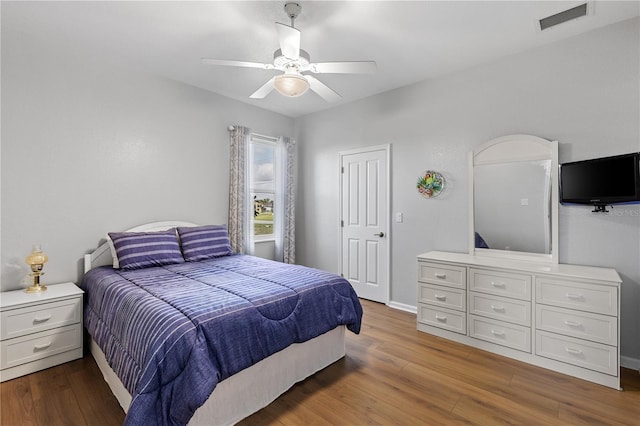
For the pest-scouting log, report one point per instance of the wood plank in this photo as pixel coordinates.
(630, 380)
(483, 411)
(615, 405)
(576, 416)
(94, 399)
(54, 400)
(16, 403)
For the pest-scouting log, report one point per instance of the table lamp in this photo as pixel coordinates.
(36, 261)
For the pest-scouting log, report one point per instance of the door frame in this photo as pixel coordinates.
(341, 154)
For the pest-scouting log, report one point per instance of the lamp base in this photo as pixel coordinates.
(37, 288)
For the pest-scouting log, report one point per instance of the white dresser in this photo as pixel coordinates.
(39, 330)
(557, 316)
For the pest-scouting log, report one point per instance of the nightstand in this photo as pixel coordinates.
(39, 330)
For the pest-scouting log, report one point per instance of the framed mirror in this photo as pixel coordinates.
(513, 198)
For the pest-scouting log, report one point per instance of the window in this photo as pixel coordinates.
(262, 186)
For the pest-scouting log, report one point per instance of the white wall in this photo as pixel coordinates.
(90, 147)
(583, 92)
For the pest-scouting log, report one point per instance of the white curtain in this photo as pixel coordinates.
(239, 233)
(285, 200)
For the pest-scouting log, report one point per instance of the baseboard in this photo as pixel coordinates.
(628, 362)
(403, 307)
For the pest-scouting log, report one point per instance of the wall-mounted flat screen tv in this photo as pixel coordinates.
(601, 181)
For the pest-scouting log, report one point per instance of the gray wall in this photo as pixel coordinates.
(583, 92)
(90, 147)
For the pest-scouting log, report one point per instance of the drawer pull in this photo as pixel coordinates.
(441, 318)
(497, 308)
(440, 297)
(498, 284)
(572, 323)
(574, 296)
(42, 319)
(440, 275)
(42, 346)
(573, 351)
(497, 333)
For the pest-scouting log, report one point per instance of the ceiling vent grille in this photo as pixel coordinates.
(565, 16)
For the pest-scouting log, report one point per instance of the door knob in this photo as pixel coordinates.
(381, 234)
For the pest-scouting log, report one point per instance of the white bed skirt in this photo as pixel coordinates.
(251, 389)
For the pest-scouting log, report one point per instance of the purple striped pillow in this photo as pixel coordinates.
(136, 250)
(204, 242)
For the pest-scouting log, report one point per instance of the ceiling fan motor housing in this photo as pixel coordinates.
(281, 61)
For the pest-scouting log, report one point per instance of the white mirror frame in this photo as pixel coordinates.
(509, 149)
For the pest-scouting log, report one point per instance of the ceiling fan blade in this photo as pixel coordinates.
(264, 90)
(322, 89)
(289, 39)
(364, 67)
(237, 63)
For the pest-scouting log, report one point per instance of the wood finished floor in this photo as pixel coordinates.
(392, 375)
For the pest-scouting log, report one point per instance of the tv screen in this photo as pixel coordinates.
(601, 181)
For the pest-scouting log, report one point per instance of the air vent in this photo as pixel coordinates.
(565, 16)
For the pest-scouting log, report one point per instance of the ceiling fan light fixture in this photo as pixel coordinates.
(291, 85)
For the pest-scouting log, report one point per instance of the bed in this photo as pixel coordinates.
(169, 357)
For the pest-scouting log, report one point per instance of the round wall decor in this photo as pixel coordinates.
(430, 184)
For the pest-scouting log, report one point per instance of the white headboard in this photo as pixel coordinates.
(102, 255)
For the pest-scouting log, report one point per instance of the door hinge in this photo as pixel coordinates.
(342, 170)
(342, 223)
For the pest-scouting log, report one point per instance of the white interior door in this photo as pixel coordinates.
(364, 221)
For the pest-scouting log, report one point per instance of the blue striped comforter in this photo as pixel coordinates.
(171, 333)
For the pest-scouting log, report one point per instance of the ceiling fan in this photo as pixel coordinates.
(293, 61)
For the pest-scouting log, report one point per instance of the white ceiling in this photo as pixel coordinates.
(410, 41)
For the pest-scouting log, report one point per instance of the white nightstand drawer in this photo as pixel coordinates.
(502, 333)
(500, 283)
(591, 355)
(596, 298)
(23, 321)
(447, 297)
(583, 325)
(435, 273)
(443, 318)
(29, 348)
(500, 308)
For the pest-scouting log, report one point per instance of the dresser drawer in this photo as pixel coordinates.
(583, 325)
(449, 275)
(447, 297)
(22, 350)
(591, 355)
(596, 298)
(501, 308)
(32, 319)
(447, 319)
(502, 333)
(500, 283)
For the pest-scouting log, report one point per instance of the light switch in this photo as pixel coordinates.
(524, 201)
(399, 217)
